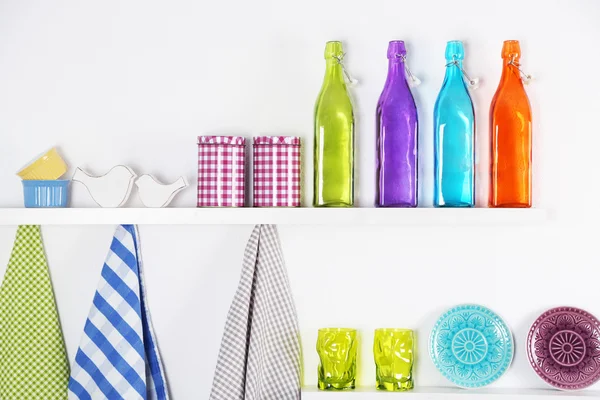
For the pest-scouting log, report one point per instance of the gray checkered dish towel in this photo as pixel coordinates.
(260, 352)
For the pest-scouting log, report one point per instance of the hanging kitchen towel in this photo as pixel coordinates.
(260, 351)
(33, 360)
(118, 357)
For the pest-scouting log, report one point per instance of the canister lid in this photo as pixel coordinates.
(277, 140)
(232, 140)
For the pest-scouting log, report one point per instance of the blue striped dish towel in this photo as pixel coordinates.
(118, 357)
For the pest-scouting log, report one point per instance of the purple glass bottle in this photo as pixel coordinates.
(397, 131)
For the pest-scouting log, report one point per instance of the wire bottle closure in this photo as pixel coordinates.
(340, 60)
(413, 80)
(473, 82)
(525, 77)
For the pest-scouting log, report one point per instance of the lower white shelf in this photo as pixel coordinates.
(440, 393)
(281, 216)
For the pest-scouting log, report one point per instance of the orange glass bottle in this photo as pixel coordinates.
(510, 123)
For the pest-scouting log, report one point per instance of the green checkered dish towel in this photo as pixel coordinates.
(33, 359)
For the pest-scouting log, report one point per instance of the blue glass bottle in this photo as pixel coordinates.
(454, 136)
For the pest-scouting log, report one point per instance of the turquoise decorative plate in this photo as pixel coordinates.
(471, 346)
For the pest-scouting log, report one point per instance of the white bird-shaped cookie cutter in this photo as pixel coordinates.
(110, 190)
(156, 194)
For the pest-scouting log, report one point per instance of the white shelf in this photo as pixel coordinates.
(283, 216)
(439, 393)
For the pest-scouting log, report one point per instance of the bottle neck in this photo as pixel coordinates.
(334, 71)
(396, 72)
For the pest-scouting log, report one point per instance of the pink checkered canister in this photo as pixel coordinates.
(221, 171)
(276, 171)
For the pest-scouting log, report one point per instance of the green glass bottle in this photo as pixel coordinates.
(334, 136)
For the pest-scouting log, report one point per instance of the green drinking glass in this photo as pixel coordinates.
(337, 353)
(394, 359)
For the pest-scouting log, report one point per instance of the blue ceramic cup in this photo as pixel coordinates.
(42, 193)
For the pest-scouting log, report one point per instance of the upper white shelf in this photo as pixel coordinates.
(438, 393)
(281, 216)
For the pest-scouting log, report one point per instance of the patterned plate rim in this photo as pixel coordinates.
(570, 388)
(490, 314)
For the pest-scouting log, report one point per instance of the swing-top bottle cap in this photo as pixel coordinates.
(334, 49)
(455, 50)
(396, 48)
(511, 49)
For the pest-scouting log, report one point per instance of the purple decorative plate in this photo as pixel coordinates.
(564, 348)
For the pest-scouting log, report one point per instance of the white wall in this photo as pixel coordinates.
(135, 82)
